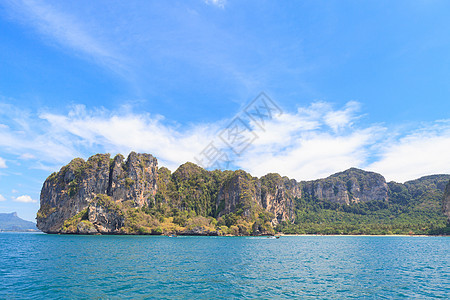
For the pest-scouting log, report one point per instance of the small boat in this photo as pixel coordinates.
(173, 235)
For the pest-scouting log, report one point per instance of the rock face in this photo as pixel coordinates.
(82, 197)
(271, 193)
(240, 191)
(104, 219)
(278, 195)
(350, 186)
(446, 204)
(118, 196)
(75, 186)
(135, 179)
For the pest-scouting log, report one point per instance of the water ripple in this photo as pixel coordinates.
(36, 266)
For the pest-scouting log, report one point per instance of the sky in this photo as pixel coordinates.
(337, 84)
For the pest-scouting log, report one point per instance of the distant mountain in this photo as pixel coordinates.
(11, 222)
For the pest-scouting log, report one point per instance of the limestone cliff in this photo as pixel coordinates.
(350, 186)
(278, 195)
(241, 192)
(92, 196)
(75, 187)
(133, 196)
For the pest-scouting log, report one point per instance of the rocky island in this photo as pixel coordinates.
(105, 195)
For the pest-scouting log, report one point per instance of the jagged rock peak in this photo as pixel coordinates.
(72, 190)
(350, 186)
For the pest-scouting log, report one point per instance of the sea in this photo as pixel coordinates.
(42, 266)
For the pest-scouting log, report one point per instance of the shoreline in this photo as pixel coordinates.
(390, 235)
(256, 236)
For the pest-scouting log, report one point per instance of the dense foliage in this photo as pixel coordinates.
(413, 208)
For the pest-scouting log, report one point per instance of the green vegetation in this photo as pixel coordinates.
(193, 188)
(163, 220)
(73, 188)
(70, 225)
(129, 182)
(44, 211)
(413, 208)
(107, 203)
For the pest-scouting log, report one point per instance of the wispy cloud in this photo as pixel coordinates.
(115, 132)
(344, 118)
(25, 199)
(3, 163)
(151, 47)
(27, 156)
(24, 133)
(313, 142)
(67, 31)
(418, 153)
(2, 198)
(218, 3)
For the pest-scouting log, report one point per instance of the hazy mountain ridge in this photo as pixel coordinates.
(11, 222)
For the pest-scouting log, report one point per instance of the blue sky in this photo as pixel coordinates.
(360, 84)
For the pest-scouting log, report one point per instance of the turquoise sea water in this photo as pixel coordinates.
(41, 266)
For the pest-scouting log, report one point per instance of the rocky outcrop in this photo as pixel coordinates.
(85, 227)
(241, 192)
(278, 195)
(105, 215)
(350, 186)
(134, 196)
(73, 189)
(134, 179)
(446, 204)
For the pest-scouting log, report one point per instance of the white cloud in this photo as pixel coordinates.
(313, 142)
(419, 153)
(339, 119)
(2, 198)
(25, 199)
(3, 163)
(218, 3)
(27, 156)
(130, 132)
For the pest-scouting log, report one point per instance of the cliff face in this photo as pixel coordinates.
(74, 188)
(446, 205)
(278, 194)
(134, 179)
(271, 193)
(104, 195)
(350, 186)
(87, 196)
(240, 191)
